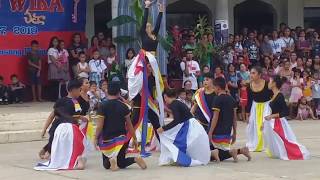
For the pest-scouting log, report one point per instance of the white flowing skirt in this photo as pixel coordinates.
(280, 141)
(67, 147)
(186, 144)
(254, 132)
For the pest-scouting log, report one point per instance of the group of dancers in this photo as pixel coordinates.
(196, 137)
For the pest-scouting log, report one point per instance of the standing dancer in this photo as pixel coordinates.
(112, 125)
(144, 77)
(279, 138)
(202, 109)
(258, 107)
(223, 122)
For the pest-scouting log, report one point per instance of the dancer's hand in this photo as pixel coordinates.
(147, 3)
(234, 138)
(210, 133)
(95, 143)
(161, 7)
(135, 144)
(268, 118)
(160, 130)
(43, 133)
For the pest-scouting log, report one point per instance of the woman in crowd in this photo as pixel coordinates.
(94, 46)
(54, 67)
(303, 45)
(76, 47)
(257, 109)
(279, 138)
(232, 81)
(63, 62)
(130, 54)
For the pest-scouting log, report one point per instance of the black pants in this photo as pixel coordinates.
(153, 118)
(223, 155)
(16, 95)
(52, 129)
(122, 161)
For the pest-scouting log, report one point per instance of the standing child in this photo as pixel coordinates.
(316, 91)
(83, 66)
(189, 98)
(307, 92)
(112, 58)
(304, 110)
(34, 69)
(97, 68)
(104, 90)
(223, 122)
(4, 93)
(94, 95)
(243, 99)
(296, 92)
(112, 125)
(16, 89)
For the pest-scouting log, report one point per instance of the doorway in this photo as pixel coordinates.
(102, 14)
(255, 14)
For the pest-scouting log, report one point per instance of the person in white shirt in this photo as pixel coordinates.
(191, 69)
(276, 43)
(83, 66)
(288, 41)
(97, 68)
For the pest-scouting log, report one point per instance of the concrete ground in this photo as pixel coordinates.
(17, 161)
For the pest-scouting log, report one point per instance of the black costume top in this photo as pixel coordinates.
(278, 105)
(85, 105)
(261, 96)
(226, 105)
(114, 113)
(180, 113)
(209, 98)
(149, 44)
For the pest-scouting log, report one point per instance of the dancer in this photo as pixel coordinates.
(183, 140)
(223, 122)
(71, 107)
(279, 138)
(112, 125)
(202, 108)
(66, 143)
(258, 107)
(144, 77)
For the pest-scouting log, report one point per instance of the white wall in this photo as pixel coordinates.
(311, 3)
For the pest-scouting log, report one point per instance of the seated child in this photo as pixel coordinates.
(4, 93)
(304, 110)
(16, 89)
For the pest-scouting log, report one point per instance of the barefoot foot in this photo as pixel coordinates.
(215, 155)
(234, 154)
(114, 165)
(140, 162)
(246, 153)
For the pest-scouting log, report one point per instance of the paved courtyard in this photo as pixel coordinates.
(18, 159)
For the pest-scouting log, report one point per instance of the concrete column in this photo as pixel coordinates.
(90, 19)
(295, 13)
(222, 10)
(114, 9)
(222, 13)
